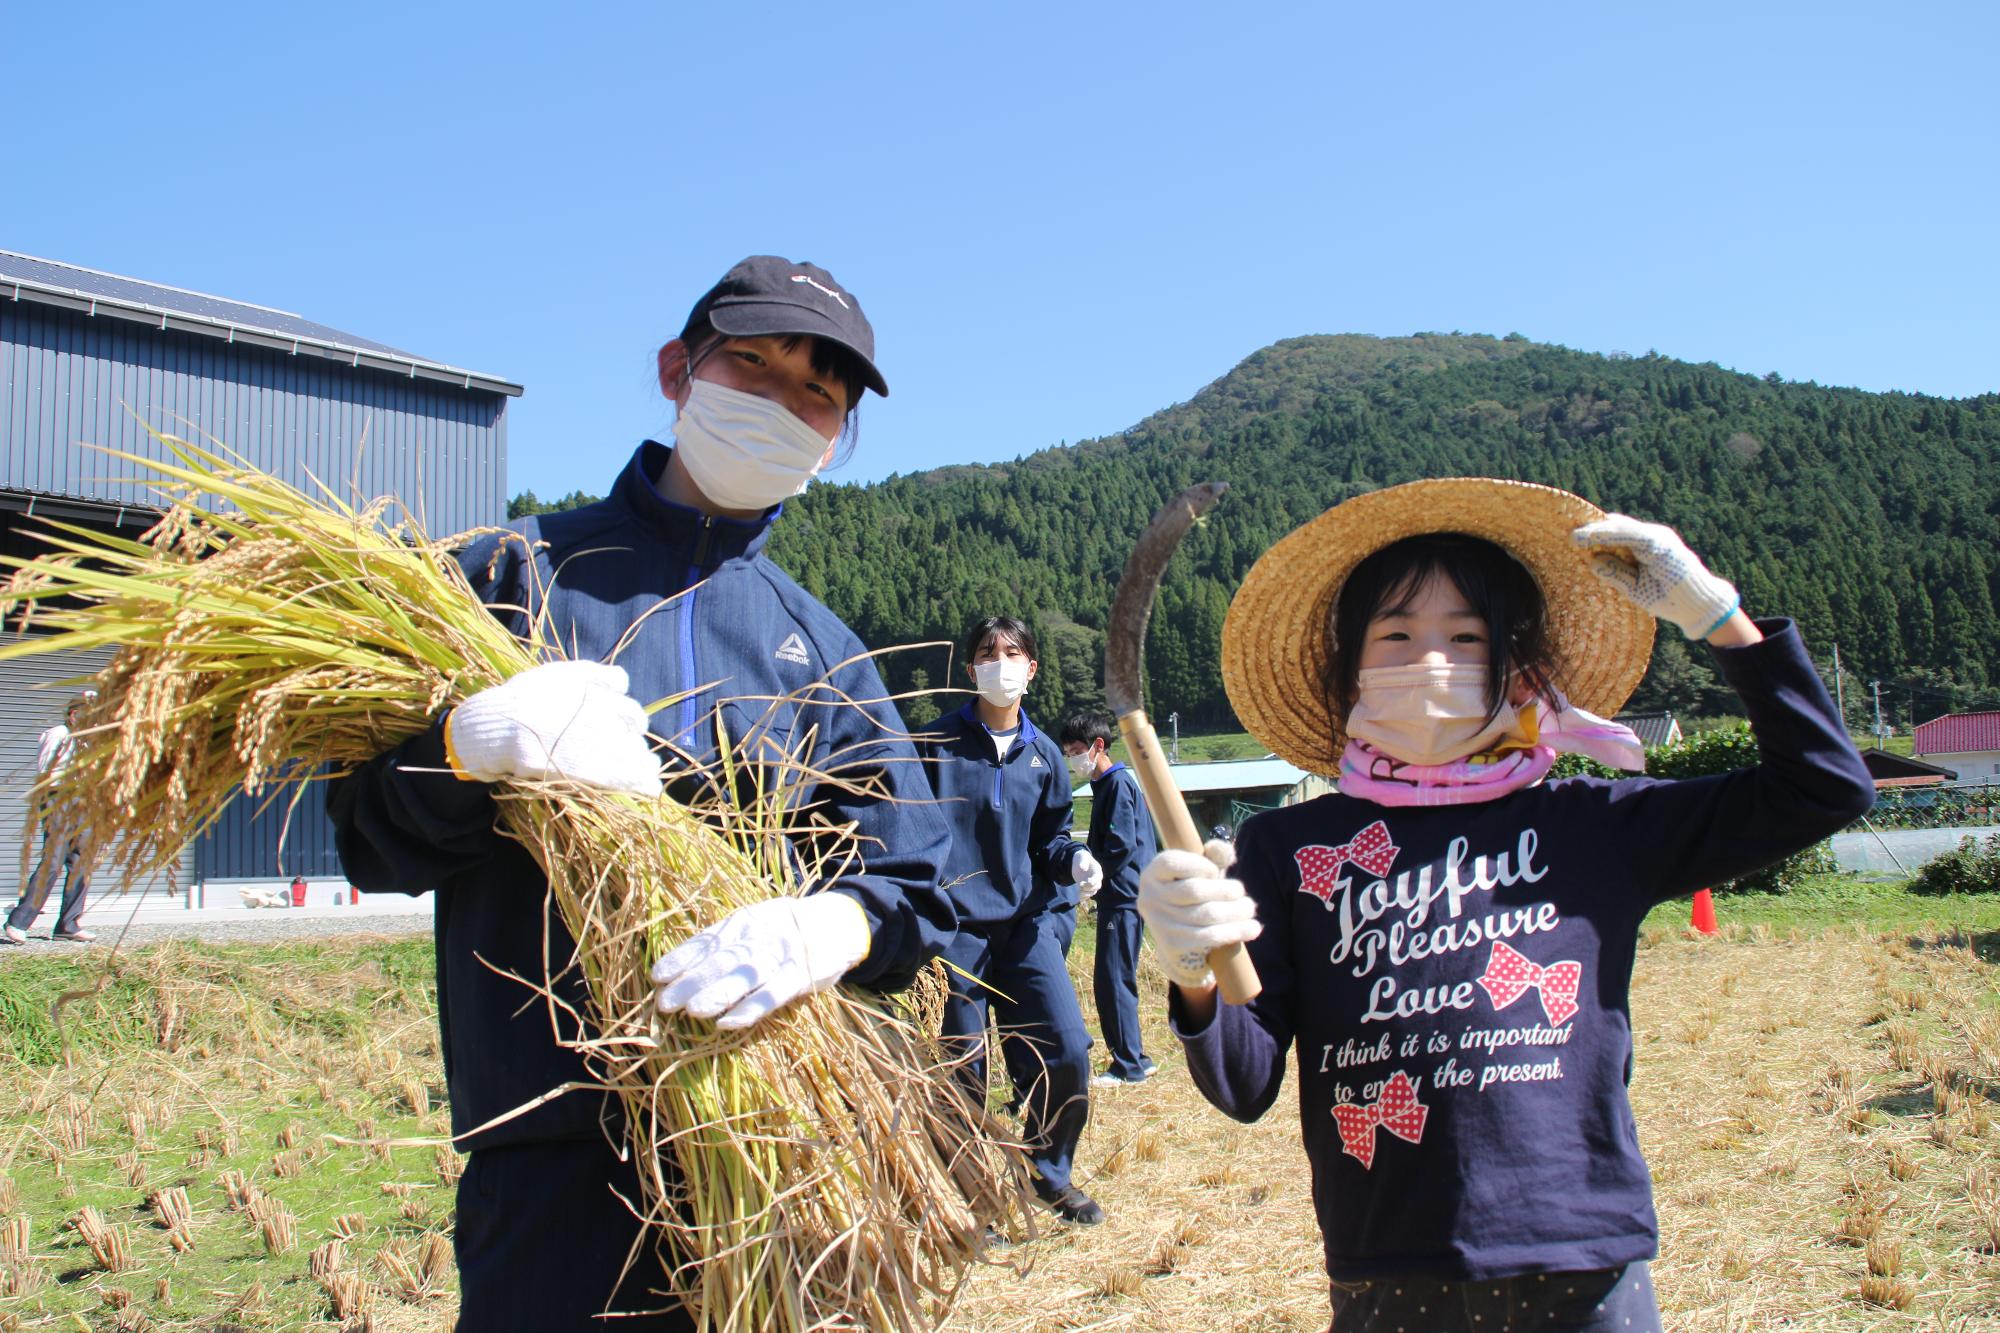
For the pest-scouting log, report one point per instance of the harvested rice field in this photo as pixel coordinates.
(251, 1137)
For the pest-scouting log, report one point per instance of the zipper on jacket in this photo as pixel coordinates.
(688, 706)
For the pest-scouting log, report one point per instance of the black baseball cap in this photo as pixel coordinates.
(765, 295)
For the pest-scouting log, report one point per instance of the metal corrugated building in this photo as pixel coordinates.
(93, 358)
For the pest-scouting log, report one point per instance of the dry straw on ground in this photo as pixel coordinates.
(812, 1173)
(1758, 1167)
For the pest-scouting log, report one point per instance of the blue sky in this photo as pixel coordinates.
(1060, 217)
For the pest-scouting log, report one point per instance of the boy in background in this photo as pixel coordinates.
(1123, 841)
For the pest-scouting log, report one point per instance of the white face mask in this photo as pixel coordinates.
(1080, 764)
(745, 452)
(1001, 682)
(1426, 714)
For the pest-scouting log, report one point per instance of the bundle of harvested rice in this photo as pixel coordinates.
(816, 1171)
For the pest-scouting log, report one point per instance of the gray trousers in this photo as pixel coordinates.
(76, 882)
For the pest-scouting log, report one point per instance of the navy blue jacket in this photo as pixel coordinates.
(751, 635)
(1010, 851)
(1455, 980)
(1121, 834)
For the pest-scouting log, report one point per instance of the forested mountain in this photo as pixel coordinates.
(1872, 518)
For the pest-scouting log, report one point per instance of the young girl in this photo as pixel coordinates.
(1449, 940)
(765, 375)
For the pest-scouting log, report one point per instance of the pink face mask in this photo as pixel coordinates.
(1427, 714)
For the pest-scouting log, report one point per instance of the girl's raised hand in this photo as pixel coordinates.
(1650, 564)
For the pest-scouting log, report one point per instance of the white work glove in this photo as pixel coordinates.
(761, 957)
(1191, 907)
(1650, 564)
(1086, 874)
(570, 720)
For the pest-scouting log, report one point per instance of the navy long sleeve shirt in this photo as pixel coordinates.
(1455, 982)
(684, 602)
(1011, 853)
(1121, 834)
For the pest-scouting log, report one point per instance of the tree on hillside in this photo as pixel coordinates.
(526, 504)
(1869, 517)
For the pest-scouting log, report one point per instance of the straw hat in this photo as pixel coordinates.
(1274, 641)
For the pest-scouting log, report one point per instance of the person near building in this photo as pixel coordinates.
(1123, 841)
(66, 848)
(1014, 873)
(669, 574)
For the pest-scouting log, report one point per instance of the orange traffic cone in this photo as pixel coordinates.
(1704, 912)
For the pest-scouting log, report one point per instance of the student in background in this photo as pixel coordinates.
(51, 758)
(1122, 840)
(1013, 873)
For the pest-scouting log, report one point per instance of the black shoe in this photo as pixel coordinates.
(1069, 1203)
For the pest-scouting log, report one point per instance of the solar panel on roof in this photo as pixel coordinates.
(110, 286)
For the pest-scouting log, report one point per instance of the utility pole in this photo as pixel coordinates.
(1839, 697)
(1174, 749)
(1876, 686)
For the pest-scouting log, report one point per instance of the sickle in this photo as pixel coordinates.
(1124, 690)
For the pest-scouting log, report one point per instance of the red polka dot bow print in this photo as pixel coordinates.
(1319, 866)
(1510, 975)
(1396, 1110)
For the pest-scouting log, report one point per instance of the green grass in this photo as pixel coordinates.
(223, 1048)
(1841, 901)
(222, 1051)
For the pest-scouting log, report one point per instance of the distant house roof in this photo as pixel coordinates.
(1896, 770)
(1957, 733)
(1652, 728)
(1266, 774)
(47, 282)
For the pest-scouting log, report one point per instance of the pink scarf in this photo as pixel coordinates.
(1522, 759)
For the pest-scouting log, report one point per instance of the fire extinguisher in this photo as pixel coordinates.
(298, 890)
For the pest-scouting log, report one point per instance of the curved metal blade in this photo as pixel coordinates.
(1125, 636)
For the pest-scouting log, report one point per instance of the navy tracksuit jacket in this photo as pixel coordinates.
(1009, 873)
(1122, 840)
(733, 620)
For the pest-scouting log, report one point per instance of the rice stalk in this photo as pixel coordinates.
(173, 1212)
(349, 1294)
(14, 1240)
(253, 1304)
(325, 1260)
(434, 1259)
(812, 1172)
(240, 1192)
(20, 1278)
(1887, 1292)
(279, 1229)
(111, 1246)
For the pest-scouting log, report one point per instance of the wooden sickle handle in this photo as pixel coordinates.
(1235, 974)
